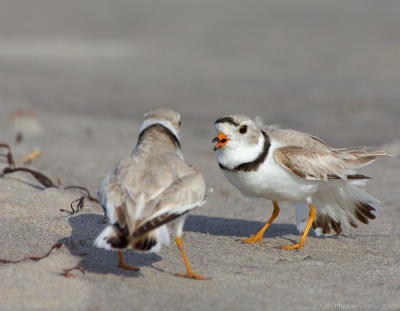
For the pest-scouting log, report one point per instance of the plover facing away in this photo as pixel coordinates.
(287, 165)
(150, 189)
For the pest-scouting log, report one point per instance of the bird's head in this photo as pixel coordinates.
(235, 131)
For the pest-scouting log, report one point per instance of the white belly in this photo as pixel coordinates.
(273, 182)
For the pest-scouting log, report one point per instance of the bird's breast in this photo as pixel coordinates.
(272, 181)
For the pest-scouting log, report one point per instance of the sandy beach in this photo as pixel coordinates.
(75, 81)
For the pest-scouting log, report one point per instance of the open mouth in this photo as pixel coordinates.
(221, 141)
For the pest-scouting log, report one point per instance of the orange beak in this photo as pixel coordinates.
(221, 141)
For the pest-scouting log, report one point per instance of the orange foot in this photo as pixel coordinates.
(123, 265)
(129, 267)
(311, 217)
(294, 246)
(258, 237)
(191, 275)
(253, 239)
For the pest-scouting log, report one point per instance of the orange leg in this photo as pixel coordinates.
(258, 237)
(303, 238)
(123, 265)
(190, 273)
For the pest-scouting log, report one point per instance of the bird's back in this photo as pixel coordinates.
(151, 168)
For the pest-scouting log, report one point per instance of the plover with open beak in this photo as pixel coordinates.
(149, 189)
(287, 165)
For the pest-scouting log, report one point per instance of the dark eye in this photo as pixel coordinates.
(243, 129)
(180, 123)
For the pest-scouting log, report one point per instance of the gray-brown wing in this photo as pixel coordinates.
(324, 163)
(126, 191)
(182, 196)
(111, 195)
(138, 188)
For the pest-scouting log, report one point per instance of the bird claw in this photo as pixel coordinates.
(294, 246)
(129, 267)
(191, 275)
(253, 239)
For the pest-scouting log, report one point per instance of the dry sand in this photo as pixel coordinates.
(90, 70)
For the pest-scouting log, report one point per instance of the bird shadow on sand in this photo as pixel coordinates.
(85, 228)
(235, 227)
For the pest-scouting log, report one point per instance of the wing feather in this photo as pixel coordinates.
(142, 200)
(183, 195)
(324, 162)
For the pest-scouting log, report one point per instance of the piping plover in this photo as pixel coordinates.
(150, 189)
(287, 165)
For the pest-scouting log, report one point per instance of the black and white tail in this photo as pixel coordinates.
(115, 238)
(339, 206)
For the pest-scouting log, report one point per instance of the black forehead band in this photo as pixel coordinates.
(227, 120)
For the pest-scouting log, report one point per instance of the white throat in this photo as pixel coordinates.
(234, 153)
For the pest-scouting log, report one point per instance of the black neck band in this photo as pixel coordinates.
(253, 165)
(167, 131)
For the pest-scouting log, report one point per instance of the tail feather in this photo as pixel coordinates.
(359, 156)
(112, 238)
(145, 243)
(325, 223)
(115, 238)
(152, 241)
(339, 207)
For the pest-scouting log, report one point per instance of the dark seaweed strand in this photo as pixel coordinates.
(89, 196)
(44, 180)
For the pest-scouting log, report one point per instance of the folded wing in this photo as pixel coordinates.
(324, 163)
(138, 203)
(183, 195)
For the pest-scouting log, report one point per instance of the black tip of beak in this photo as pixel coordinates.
(215, 140)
